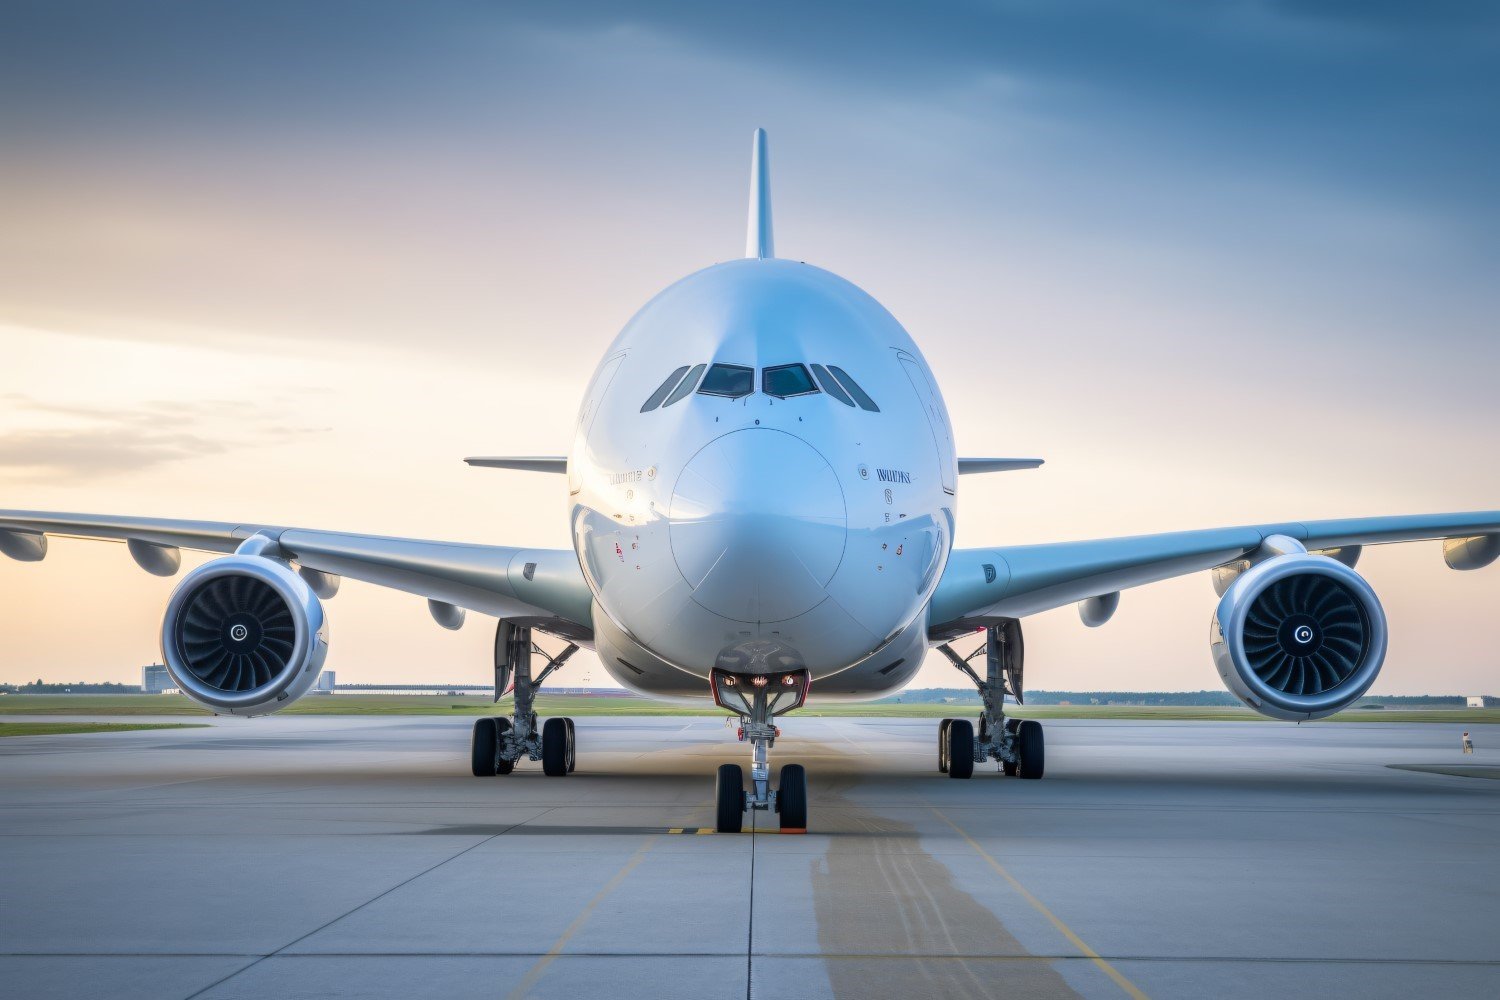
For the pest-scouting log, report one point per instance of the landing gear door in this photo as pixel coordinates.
(1004, 647)
(504, 668)
(936, 419)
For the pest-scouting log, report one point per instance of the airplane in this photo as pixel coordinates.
(762, 499)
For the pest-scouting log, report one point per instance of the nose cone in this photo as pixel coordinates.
(758, 525)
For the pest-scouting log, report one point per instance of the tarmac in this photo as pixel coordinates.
(333, 856)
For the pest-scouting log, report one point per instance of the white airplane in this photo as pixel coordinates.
(762, 494)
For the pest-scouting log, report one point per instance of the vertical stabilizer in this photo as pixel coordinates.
(758, 237)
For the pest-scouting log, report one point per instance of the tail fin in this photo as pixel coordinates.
(758, 237)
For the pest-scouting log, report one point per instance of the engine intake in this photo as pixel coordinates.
(244, 635)
(1299, 636)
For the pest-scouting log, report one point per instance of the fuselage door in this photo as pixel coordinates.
(936, 420)
(592, 401)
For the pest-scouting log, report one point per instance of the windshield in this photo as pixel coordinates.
(787, 380)
(733, 381)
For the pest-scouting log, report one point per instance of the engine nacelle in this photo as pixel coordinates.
(244, 635)
(1299, 636)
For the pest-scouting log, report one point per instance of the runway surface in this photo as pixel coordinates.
(336, 856)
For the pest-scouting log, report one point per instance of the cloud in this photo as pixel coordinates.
(95, 441)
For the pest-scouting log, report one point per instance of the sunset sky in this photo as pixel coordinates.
(289, 263)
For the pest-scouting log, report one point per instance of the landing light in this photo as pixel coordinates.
(790, 680)
(729, 681)
(760, 681)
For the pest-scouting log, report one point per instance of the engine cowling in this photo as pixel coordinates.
(244, 635)
(1298, 637)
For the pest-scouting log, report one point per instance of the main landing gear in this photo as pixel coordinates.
(757, 699)
(500, 742)
(1016, 744)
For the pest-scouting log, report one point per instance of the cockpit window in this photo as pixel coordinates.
(733, 381)
(831, 385)
(686, 385)
(662, 390)
(787, 380)
(863, 398)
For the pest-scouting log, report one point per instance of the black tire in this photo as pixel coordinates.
(729, 798)
(502, 727)
(960, 748)
(791, 799)
(555, 748)
(572, 746)
(943, 746)
(1011, 725)
(483, 748)
(1033, 749)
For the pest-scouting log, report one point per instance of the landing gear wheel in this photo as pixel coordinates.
(943, 745)
(484, 748)
(502, 729)
(1008, 766)
(555, 748)
(729, 798)
(791, 799)
(1033, 750)
(572, 746)
(960, 748)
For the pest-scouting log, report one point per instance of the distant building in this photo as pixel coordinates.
(1476, 701)
(325, 683)
(156, 680)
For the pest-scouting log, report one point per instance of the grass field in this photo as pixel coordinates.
(64, 728)
(467, 705)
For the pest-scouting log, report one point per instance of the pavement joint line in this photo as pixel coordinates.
(797, 956)
(330, 923)
(547, 958)
(750, 917)
(1119, 978)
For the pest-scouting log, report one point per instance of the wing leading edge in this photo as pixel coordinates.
(1019, 580)
(542, 584)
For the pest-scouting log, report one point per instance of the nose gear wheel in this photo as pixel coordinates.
(758, 698)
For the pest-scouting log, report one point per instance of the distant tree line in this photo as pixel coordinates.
(40, 686)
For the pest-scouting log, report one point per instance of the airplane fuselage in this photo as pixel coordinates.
(727, 516)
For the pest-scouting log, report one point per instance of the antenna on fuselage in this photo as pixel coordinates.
(758, 236)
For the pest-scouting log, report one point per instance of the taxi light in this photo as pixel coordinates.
(760, 681)
(790, 680)
(728, 681)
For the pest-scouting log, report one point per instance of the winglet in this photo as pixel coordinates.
(758, 237)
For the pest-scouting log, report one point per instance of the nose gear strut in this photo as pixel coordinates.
(499, 742)
(1017, 745)
(757, 699)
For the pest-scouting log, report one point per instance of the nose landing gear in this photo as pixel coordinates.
(757, 699)
(1017, 745)
(498, 742)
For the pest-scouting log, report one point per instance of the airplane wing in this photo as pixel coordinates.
(981, 585)
(557, 464)
(970, 466)
(542, 584)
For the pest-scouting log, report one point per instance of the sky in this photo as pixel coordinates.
(289, 263)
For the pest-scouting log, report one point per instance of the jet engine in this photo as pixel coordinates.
(1299, 636)
(244, 635)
